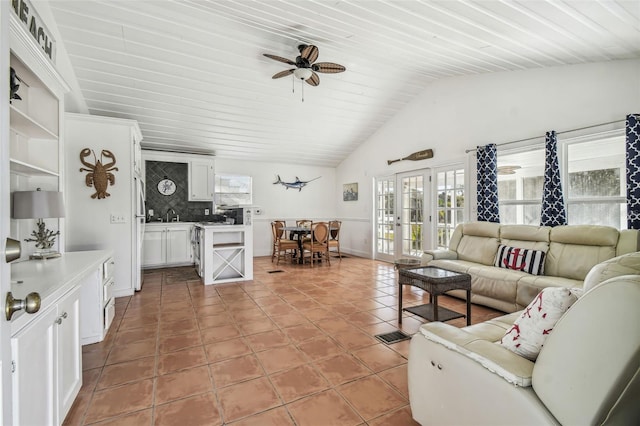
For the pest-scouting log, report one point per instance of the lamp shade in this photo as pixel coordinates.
(37, 204)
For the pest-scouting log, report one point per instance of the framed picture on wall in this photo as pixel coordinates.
(350, 192)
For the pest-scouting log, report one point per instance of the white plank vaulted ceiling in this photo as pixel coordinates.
(193, 74)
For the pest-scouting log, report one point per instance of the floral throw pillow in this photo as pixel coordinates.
(529, 332)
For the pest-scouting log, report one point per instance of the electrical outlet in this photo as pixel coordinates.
(150, 212)
(206, 212)
(117, 218)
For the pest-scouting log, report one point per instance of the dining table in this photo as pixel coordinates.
(299, 232)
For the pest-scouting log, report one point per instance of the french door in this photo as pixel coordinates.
(402, 218)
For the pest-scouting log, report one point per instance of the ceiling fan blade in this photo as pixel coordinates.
(283, 73)
(314, 80)
(279, 59)
(309, 53)
(328, 67)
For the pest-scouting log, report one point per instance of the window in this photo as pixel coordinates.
(450, 210)
(520, 179)
(232, 190)
(594, 181)
(596, 189)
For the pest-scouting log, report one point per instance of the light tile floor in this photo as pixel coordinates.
(295, 347)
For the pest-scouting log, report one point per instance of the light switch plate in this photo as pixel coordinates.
(118, 218)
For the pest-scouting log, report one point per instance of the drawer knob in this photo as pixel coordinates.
(31, 304)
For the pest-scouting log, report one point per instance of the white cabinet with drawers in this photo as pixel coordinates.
(46, 353)
(97, 303)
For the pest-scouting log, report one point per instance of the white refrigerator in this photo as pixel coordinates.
(114, 222)
(139, 219)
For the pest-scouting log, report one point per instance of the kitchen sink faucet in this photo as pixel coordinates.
(172, 212)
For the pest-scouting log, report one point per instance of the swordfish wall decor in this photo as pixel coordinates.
(298, 184)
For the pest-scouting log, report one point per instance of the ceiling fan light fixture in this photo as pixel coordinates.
(302, 73)
(507, 170)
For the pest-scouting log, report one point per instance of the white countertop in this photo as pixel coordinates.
(157, 223)
(51, 278)
(217, 225)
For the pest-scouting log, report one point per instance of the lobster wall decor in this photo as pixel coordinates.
(99, 175)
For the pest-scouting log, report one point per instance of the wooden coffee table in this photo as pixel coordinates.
(435, 281)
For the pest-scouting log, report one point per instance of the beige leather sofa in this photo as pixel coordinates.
(571, 251)
(588, 371)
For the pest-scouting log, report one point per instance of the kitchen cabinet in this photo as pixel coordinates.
(69, 352)
(201, 180)
(34, 363)
(167, 244)
(47, 362)
(46, 353)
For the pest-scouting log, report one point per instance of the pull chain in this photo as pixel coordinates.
(293, 86)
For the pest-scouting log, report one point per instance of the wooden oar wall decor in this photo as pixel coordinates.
(418, 155)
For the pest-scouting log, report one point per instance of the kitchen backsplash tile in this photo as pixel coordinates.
(189, 211)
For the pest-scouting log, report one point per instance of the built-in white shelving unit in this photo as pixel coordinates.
(35, 121)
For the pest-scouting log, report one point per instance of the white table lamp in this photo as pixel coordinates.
(39, 205)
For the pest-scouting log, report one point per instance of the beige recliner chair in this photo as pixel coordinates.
(586, 373)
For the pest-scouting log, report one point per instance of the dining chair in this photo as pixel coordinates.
(273, 243)
(281, 246)
(334, 236)
(304, 223)
(318, 243)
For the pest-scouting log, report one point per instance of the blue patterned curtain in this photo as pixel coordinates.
(553, 209)
(488, 210)
(633, 171)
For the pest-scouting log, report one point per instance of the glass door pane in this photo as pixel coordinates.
(412, 215)
(400, 215)
(385, 218)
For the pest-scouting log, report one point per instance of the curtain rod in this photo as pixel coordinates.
(557, 133)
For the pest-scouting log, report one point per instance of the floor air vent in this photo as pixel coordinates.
(275, 272)
(393, 337)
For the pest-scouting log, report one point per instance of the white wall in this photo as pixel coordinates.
(316, 201)
(455, 114)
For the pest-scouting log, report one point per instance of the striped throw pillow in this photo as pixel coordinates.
(519, 259)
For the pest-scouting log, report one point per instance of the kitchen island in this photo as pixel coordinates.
(224, 252)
